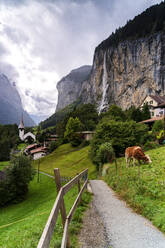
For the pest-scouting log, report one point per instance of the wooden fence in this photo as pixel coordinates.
(60, 205)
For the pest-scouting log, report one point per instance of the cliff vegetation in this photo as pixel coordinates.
(151, 21)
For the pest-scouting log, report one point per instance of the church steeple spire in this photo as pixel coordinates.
(21, 125)
(21, 129)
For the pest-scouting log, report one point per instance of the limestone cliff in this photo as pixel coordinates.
(125, 74)
(70, 87)
(128, 65)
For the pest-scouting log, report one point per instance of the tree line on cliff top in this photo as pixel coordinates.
(150, 21)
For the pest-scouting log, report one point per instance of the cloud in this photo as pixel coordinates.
(41, 41)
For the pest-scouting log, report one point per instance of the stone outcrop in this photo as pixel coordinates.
(126, 74)
(70, 87)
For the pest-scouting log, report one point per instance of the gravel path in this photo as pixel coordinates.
(93, 234)
(125, 228)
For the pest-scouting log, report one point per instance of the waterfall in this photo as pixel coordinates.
(103, 102)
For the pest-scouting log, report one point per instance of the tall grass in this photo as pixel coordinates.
(142, 187)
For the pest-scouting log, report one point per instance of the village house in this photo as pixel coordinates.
(38, 152)
(30, 147)
(153, 103)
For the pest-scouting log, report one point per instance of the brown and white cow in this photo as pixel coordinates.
(135, 153)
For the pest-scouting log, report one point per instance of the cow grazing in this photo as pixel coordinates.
(135, 153)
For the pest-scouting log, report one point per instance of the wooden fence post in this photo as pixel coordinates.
(79, 187)
(38, 171)
(62, 207)
(116, 165)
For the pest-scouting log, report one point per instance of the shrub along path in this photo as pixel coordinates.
(124, 228)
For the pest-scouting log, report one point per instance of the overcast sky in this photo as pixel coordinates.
(42, 41)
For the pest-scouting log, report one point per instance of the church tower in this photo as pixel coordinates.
(21, 129)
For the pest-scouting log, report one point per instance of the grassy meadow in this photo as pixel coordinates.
(69, 160)
(21, 224)
(142, 187)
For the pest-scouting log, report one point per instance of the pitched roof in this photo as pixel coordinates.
(162, 105)
(158, 99)
(39, 149)
(31, 146)
(86, 132)
(152, 119)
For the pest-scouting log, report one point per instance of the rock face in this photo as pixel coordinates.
(11, 108)
(70, 87)
(126, 74)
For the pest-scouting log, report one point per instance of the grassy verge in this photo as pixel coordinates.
(68, 160)
(143, 190)
(21, 225)
(3, 164)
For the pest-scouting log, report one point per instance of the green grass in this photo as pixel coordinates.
(144, 191)
(21, 146)
(27, 219)
(69, 160)
(3, 164)
(21, 225)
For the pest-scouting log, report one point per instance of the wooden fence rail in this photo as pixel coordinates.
(60, 205)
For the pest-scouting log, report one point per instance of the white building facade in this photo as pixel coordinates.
(154, 101)
(22, 135)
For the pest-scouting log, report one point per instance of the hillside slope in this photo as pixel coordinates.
(69, 160)
(21, 224)
(142, 187)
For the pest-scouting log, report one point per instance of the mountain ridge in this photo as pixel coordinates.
(70, 87)
(11, 108)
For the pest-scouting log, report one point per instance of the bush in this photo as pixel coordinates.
(5, 150)
(114, 113)
(53, 145)
(160, 137)
(75, 139)
(105, 153)
(73, 125)
(120, 135)
(15, 185)
(150, 145)
(85, 143)
(158, 126)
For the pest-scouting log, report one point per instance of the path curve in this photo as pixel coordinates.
(125, 229)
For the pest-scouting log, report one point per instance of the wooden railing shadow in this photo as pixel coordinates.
(60, 205)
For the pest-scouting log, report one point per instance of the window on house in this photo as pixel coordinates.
(152, 113)
(151, 102)
(161, 112)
